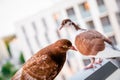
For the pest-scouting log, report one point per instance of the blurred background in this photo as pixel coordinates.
(27, 26)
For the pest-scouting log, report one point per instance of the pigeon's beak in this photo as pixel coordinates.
(73, 48)
(68, 24)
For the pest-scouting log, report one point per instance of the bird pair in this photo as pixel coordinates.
(47, 63)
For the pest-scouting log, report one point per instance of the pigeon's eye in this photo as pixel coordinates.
(70, 23)
(65, 22)
(65, 46)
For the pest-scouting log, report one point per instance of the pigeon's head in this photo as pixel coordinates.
(64, 45)
(68, 23)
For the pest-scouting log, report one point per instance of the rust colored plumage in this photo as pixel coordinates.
(88, 42)
(45, 64)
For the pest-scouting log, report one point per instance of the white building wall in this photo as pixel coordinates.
(79, 17)
(112, 9)
(95, 15)
(23, 44)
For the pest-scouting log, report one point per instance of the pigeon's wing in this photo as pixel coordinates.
(17, 76)
(22, 75)
(41, 67)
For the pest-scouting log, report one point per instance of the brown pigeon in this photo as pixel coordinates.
(46, 63)
(88, 42)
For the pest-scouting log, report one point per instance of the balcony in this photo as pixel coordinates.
(90, 25)
(85, 9)
(85, 14)
(107, 28)
(102, 8)
(73, 18)
(71, 14)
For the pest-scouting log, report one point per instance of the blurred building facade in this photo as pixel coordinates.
(10, 50)
(41, 29)
(4, 54)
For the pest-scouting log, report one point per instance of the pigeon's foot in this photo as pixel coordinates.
(91, 65)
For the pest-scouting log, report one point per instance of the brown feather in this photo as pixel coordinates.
(90, 42)
(45, 64)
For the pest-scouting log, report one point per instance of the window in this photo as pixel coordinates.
(44, 23)
(84, 9)
(112, 38)
(101, 5)
(36, 34)
(58, 34)
(90, 25)
(118, 3)
(86, 61)
(100, 2)
(71, 14)
(106, 24)
(57, 19)
(105, 21)
(70, 11)
(27, 40)
(118, 17)
(46, 32)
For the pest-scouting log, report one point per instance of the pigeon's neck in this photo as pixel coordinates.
(81, 31)
(59, 58)
(56, 53)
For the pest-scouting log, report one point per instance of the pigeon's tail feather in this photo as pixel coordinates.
(112, 45)
(115, 48)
